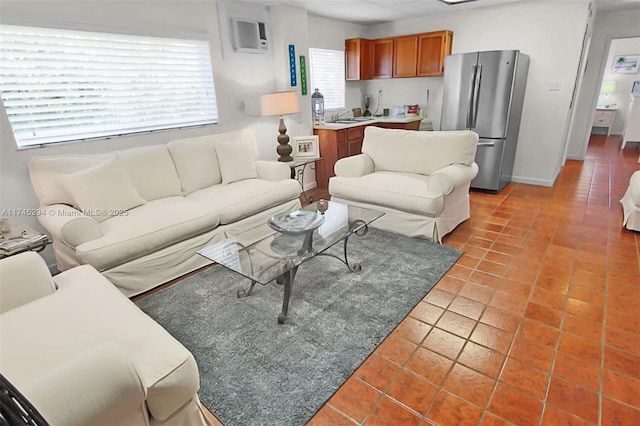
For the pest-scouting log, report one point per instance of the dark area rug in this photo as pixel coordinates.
(255, 371)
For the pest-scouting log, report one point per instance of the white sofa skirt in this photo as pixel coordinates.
(144, 273)
(456, 211)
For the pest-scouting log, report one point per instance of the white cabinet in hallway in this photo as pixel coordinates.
(604, 118)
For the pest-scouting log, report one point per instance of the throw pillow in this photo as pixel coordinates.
(102, 191)
(236, 160)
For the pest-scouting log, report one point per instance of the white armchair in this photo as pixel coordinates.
(631, 203)
(83, 354)
(419, 179)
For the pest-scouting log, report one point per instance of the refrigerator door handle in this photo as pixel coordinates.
(471, 100)
(487, 144)
(476, 95)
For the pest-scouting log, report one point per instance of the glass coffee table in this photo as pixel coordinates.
(293, 238)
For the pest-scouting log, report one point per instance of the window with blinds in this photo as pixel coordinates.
(63, 85)
(327, 75)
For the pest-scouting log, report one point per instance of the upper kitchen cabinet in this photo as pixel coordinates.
(415, 55)
(358, 59)
(405, 56)
(432, 48)
(382, 58)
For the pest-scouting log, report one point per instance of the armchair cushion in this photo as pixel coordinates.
(418, 152)
(24, 278)
(404, 191)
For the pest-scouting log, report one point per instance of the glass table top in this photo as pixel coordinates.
(278, 253)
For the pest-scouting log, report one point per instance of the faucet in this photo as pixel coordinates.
(338, 114)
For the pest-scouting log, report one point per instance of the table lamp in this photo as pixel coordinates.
(281, 103)
(607, 87)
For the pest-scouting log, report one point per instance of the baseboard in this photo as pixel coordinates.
(532, 181)
(310, 185)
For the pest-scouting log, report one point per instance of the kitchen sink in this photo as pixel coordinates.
(351, 120)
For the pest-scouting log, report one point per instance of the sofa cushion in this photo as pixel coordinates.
(86, 311)
(196, 162)
(102, 191)
(418, 152)
(401, 191)
(246, 197)
(152, 171)
(147, 229)
(236, 162)
(45, 175)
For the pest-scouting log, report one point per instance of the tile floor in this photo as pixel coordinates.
(536, 324)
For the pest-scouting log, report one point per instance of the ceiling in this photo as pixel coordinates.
(369, 12)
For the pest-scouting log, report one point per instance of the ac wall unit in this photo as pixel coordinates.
(249, 36)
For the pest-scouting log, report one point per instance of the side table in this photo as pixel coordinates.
(298, 165)
(604, 118)
(22, 238)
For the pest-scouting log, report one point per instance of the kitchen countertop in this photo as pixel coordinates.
(374, 120)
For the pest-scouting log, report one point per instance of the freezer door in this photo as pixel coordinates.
(458, 87)
(493, 93)
(489, 157)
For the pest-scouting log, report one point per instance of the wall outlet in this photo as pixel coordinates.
(554, 86)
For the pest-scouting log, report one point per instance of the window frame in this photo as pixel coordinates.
(147, 80)
(330, 95)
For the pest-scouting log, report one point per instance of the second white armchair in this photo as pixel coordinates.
(419, 179)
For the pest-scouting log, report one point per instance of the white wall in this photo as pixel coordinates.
(233, 79)
(607, 26)
(550, 32)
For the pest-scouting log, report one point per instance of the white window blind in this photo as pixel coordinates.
(62, 85)
(327, 75)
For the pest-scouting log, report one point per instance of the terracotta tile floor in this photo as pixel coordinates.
(536, 324)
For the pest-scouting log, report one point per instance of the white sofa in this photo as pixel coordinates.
(84, 354)
(419, 179)
(631, 203)
(139, 215)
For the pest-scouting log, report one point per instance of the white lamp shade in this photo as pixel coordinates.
(279, 103)
(608, 87)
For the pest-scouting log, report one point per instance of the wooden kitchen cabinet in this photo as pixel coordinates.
(414, 55)
(358, 59)
(412, 125)
(382, 63)
(432, 48)
(405, 56)
(334, 145)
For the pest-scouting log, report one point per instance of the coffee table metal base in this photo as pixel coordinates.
(288, 277)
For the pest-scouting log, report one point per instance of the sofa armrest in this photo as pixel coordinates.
(24, 278)
(445, 180)
(272, 170)
(69, 225)
(354, 166)
(100, 386)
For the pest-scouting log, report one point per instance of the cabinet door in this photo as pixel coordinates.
(432, 48)
(383, 58)
(341, 145)
(405, 56)
(358, 58)
(355, 136)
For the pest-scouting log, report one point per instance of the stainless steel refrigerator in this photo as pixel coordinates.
(484, 92)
